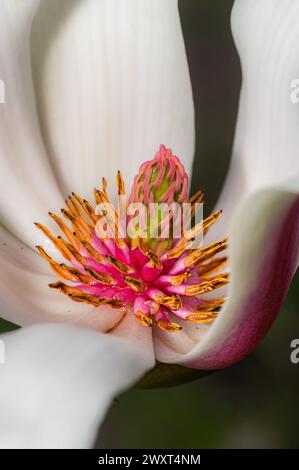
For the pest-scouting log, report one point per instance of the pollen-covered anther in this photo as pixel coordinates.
(146, 320)
(78, 275)
(60, 286)
(58, 242)
(78, 296)
(174, 302)
(58, 269)
(180, 278)
(167, 326)
(64, 228)
(103, 278)
(96, 301)
(120, 183)
(195, 200)
(122, 267)
(189, 237)
(202, 317)
(155, 261)
(202, 254)
(79, 224)
(136, 284)
(90, 250)
(156, 280)
(212, 266)
(209, 305)
(207, 285)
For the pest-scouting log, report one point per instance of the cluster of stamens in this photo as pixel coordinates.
(123, 273)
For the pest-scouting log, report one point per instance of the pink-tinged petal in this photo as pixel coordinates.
(142, 304)
(27, 183)
(149, 272)
(264, 254)
(68, 377)
(97, 289)
(126, 294)
(138, 258)
(112, 83)
(265, 151)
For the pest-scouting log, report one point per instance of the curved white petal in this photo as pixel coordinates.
(266, 143)
(264, 234)
(58, 381)
(26, 180)
(16, 253)
(112, 83)
(264, 254)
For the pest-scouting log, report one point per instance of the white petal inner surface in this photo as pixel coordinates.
(266, 143)
(26, 179)
(57, 383)
(112, 83)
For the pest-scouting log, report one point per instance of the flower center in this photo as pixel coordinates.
(159, 278)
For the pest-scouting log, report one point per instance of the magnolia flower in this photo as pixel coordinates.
(92, 87)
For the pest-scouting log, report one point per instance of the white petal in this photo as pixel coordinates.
(266, 144)
(16, 253)
(112, 82)
(264, 254)
(27, 183)
(57, 383)
(264, 231)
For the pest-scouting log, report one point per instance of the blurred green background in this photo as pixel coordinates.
(254, 403)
